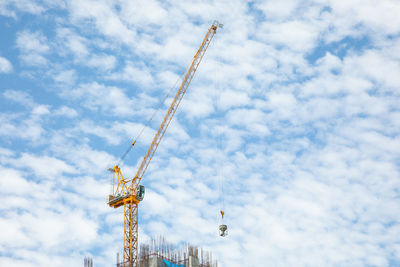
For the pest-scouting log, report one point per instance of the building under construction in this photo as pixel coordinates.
(160, 253)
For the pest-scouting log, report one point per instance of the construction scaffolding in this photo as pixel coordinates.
(161, 253)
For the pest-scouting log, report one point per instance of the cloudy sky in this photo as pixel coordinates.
(294, 110)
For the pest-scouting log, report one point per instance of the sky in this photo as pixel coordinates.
(291, 125)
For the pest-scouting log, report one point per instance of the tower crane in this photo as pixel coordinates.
(128, 192)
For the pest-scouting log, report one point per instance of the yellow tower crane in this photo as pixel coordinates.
(127, 192)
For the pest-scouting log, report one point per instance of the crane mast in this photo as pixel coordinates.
(128, 192)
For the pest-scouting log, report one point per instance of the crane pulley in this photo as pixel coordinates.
(128, 192)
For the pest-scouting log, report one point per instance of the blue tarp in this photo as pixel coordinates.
(170, 264)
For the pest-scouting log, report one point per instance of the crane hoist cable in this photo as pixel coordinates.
(222, 227)
(128, 192)
(121, 159)
(220, 175)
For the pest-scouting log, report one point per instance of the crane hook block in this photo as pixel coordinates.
(223, 230)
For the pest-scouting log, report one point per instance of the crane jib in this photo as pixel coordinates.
(175, 103)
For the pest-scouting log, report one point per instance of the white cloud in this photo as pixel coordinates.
(230, 98)
(5, 65)
(104, 98)
(69, 41)
(88, 127)
(67, 77)
(251, 119)
(138, 74)
(53, 226)
(386, 75)
(79, 154)
(9, 7)
(105, 19)
(12, 182)
(278, 9)
(33, 47)
(329, 63)
(139, 13)
(296, 35)
(103, 62)
(66, 111)
(13, 8)
(376, 15)
(32, 42)
(197, 104)
(44, 166)
(29, 129)
(75, 43)
(41, 110)
(20, 97)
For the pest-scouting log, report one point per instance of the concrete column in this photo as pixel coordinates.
(156, 262)
(193, 262)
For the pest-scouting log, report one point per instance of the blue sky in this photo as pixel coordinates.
(294, 108)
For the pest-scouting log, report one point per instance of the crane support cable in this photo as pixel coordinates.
(175, 103)
(121, 159)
